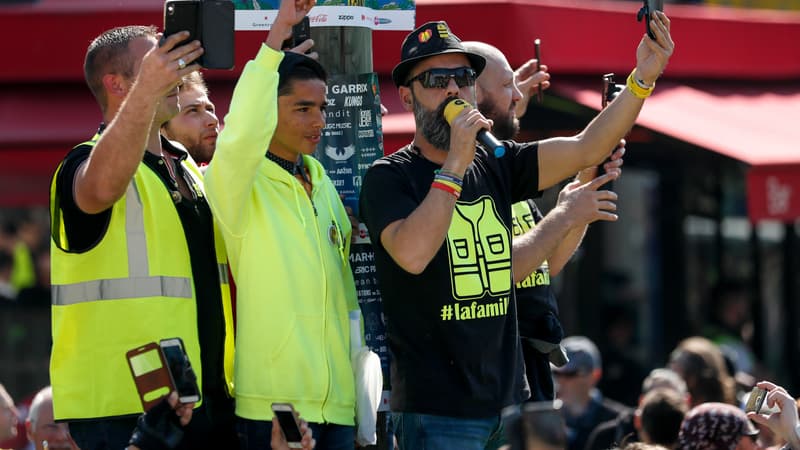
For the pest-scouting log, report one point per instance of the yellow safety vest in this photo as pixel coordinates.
(135, 286)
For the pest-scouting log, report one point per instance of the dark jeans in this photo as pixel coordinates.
(212, 426)
(429, 432)
(256, 435)
(537, 370)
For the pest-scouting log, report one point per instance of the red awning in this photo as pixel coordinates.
(755, 123)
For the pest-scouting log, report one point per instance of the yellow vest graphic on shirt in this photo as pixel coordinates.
(479, 247)
(523, 220)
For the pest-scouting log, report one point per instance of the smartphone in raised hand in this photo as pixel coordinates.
(649, 7)
(209, 21)
(301, 32)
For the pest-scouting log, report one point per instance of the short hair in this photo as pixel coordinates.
(194, 80)
(295, 66)
(664, 378)
(44, 395)
(109, 53)
(662, 411)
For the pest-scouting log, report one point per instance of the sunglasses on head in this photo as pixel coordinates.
(440, 78)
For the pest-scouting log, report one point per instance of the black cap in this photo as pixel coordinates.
(430, 39)
(292, 60)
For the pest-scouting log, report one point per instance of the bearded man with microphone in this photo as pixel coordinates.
(439, 215)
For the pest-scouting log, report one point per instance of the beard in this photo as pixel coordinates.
(506, 125)
(434, 126)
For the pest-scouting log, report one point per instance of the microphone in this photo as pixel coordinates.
(484, 137)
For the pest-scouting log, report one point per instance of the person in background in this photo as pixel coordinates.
(196, 126)
(701, 364)
(41, 428)
(584, 405)
(659, 416)
(9, 417)
(717, 426)
(627, 426)
(502, 96)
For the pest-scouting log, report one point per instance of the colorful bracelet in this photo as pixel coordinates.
(447, 175)
(637, 87)
(452, 185)
(449, 189)
(450, 182)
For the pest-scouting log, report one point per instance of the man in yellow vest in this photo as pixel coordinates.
(135, 254)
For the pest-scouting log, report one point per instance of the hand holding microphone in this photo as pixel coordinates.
(486, 138)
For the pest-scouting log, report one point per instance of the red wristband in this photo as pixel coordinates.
(446, 188)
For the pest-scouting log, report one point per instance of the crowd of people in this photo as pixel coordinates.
(155, 216)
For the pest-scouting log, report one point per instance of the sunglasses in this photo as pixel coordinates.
(567, 374)
(440, 78)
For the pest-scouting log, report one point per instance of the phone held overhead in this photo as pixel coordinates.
(301, 32)
(209, 21)
(649, 7)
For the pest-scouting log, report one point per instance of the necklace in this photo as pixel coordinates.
(289, 166)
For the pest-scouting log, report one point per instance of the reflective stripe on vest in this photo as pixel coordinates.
(139, 284)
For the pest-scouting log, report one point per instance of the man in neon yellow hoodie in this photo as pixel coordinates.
(287, 235)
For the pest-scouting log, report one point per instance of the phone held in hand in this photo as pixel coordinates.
(150, 374)
(755, 400)
(209, 21)
(180, 370)
(301, 32)
(649, 7)
(287, 419)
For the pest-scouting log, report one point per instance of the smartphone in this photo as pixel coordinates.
(180, 370)
(288, 423)
(209, 21)
(755, 400)
(300, 32)
(608, 94)
(644, 14)
(182, 15)
(610, 89)
(150, 374)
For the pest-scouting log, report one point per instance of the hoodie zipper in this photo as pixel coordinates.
(320, 248)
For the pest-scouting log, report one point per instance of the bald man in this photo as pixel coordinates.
(41, 427)
(8, 416)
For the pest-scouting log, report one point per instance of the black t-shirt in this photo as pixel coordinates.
(84, 231)
(452, 329)
(536, 303)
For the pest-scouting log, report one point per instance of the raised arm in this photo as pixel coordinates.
(103, 178)
(249, 125)
(562, 157)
